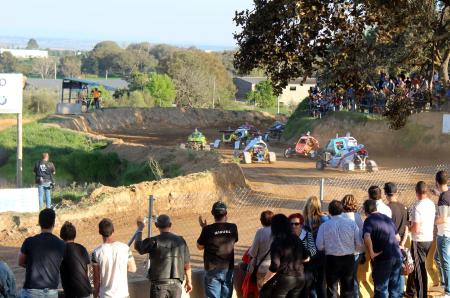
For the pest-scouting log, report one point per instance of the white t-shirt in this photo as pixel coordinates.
(423, 213)
(112, 258)
(383, 208)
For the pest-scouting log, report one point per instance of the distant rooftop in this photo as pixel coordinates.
(56, 84)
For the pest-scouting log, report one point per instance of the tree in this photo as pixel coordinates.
(162, 89)
(100, 59)
(70, 66)
(44, 67)
(138, 81)
(263, 95)
(32, 44)
(8, 63)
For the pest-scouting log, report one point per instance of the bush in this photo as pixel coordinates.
(41, 101)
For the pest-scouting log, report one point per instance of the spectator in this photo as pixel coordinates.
(375, 194)
(259, 251)
(339, 238)
(74, 267)
(41, 256)
(309, 247)
(217, 241)
(314, 217)
(169, 259)
(399, 212)
(286, 261)
(422, 225)
(44, 171)
(382, 243)
(349, 204)
(443, 229)
(7, 281)
(111, 261)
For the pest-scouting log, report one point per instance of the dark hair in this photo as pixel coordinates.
(349, 203)
(374, 192)
(335, 208)
(281, 227)
(421, 188)
(47, 218)
(266, 218)
(370, 206)
(105, 227)
(390, 188)
(297, 215)
(68, 231)
(219, 210)
(442, 178)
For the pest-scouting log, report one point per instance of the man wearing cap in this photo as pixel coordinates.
(169, 259)
(399, 212)
(217, 242)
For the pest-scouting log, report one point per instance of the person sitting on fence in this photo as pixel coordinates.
(74, 267)
(169, 259)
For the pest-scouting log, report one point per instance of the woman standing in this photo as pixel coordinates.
(314, 217)
(351, 211)
(286, 275)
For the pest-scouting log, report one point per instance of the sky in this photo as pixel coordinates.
(180, 22)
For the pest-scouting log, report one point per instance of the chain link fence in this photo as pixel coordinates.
(244, 208)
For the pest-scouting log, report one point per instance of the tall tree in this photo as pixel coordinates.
(32, 44)
(70, 66)
(162, 89)
(263, 95)
(44, 67)
(8, 63)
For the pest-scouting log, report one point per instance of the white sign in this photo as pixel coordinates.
(446, 124)
(11, 90)
(19, 200)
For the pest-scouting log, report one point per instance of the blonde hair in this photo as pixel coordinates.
(312, 213)
(350, 203)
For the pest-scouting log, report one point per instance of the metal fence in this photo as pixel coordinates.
(244, 208)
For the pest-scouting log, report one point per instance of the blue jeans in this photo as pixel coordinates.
(44, 190)
(443, 249)
(386, 275)
(219, 283)
(38, 293)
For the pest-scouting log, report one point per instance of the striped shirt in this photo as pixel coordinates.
(308, 243)
(339, 236)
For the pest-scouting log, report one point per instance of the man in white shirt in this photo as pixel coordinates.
(375, 194)
(422, 225)
(111, 262)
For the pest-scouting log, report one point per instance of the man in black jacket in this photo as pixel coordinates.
(44, 171)
(169, 259)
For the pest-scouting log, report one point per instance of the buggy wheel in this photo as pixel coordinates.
(272, 157)
(247, 158)
(288, 153)
(320, 165)
(183, 146)
(371, 166)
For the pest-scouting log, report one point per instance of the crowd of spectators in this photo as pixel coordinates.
(373, 98)
(308, 254)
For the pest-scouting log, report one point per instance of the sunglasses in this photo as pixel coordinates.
(295, 223)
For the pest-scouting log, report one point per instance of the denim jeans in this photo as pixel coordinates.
(39, 293)
(386, 275)
(219, 283)
(443, 249)
(44, 191)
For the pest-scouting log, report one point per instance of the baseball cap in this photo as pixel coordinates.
(390, 188)
(163, 221)
(219, 208)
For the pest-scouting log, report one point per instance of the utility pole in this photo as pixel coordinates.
(55, 70)
(214, 93)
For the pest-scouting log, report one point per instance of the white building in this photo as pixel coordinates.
(25, 54)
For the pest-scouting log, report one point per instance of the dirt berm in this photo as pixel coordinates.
(157, 119)
(192, 194)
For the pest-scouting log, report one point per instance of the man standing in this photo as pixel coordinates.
(443, 229)
(375, 194)
(44, 171)
(382, 244)
(339, 238)
(399, 212)
(422, 225)
(74, 267)
(169, 259)
(41, 256)
(111, 262)
(217, 240)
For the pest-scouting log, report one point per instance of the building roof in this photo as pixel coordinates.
(256, 80)
(111, 84)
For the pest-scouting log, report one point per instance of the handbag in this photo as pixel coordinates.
(255, 269)
(267, 288)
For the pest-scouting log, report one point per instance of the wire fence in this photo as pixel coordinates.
(244, 208)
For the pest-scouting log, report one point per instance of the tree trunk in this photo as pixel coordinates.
(444, 69)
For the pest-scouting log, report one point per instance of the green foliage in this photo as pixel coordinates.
(138, 81)
(136, 99)
(39, 101)
(162, 89)
(8, 63)
(32, 44)
(70, 66)
(263, 95)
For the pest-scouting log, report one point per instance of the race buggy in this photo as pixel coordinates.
(257, 151)
(274, 132)
(306, 146)
(196, 141)
(345, 153)
(237, 138)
